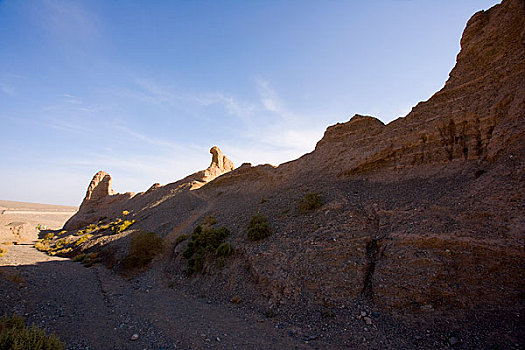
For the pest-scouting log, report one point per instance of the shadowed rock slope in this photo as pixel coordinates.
(420, 215)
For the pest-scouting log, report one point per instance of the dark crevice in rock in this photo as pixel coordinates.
(372, 255)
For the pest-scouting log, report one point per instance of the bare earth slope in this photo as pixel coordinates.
(421, 225)
(96, 309)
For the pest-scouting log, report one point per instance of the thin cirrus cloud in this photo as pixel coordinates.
(258, 121)
(265, 122)
(68, 20)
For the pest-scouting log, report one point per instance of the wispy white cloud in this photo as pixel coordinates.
(68, 126)
(73, 106)
(159, 94)
(268, 97)
(69, 19)
(71, 99)
(8, 83)
(266, 126)
(49, 122)
(151, 140)
(7, 89)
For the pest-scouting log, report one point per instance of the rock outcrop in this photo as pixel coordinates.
(220, 164)
(98, 189)
(420, 215)
(102, 202)
(475, 116)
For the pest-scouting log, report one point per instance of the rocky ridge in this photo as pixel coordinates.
(101, 201)
(423, 216)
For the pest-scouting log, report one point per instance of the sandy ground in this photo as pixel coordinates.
(18, 220)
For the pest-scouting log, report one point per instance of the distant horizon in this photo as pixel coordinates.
(143, 91)
(33, 203)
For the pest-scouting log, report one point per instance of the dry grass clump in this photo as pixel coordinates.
(311, 201)
(143, 248)
(13, 277)
(205, 241)
(79, 257)
(49, 235)
(116, 226)
(123, 226)
(83, 239)
(88, 229)
(2, 251)
(258, 228)
(87, 259)
(43, 245)
(14, 335)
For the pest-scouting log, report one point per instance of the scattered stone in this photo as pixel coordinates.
(367, 320)
(453, 341)
(311, 337)
(236, 299)
(135, 336)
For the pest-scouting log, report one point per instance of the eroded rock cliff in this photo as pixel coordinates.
(424, 214)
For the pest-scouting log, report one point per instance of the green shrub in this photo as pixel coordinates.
(270, 313)
(326, 313)
(79, 257)
(14, 335)
(311, 201)
(258, 228)
(224, 249)
(123, 226)
(90, 259)
(143, 248)
(204, 241)
(180, 239)
(209, 221)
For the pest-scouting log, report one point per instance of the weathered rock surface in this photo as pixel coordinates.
(99, 188)
(101, 202)
(220, 164)
(423, 215)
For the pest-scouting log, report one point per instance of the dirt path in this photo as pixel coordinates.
(92, 308)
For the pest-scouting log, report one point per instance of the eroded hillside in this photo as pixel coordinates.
(423, 215)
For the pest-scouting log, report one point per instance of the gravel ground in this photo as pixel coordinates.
(92, 308)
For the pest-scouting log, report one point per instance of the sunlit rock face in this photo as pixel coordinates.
(102, 202)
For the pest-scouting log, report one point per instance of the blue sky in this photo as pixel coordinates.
(143, 89)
